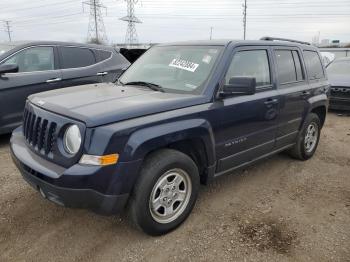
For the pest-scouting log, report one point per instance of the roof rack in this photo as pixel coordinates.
(269, 38)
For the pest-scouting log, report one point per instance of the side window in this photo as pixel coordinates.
(313, 65)
(103, 55)
(252, 63)
(285, 66)
(33, 59)
(298, 68)
(74, 57)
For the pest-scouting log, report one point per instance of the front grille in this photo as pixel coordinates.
(341, 92)
(40, 133)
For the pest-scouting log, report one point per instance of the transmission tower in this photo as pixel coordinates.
(244, 18)
(8, 29)
(96, 30)
(131, 35)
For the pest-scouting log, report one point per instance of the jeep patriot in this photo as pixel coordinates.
(182, 114)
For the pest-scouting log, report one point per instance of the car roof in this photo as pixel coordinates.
(33, 43)
(225, 42)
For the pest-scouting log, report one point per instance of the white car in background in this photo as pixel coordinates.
(327, 57)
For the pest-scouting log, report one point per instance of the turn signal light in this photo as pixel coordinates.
(99, 160)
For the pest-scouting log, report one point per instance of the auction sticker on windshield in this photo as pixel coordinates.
(183, 64)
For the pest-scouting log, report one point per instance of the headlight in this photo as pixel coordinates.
(72, 140)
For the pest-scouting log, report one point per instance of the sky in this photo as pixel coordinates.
(167, 20)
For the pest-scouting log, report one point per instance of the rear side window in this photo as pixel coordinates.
(289, 66)
(74, 57)
(103, 55)
(313, 65)
(252, 63)
(285, 66)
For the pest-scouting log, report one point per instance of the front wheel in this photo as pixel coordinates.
(308, 138)
(165, 193)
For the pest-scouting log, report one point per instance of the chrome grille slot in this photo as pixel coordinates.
(51, 138)
(31, 127)
(39, 133)
(41, 138)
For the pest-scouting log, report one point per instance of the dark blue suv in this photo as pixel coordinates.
(181, 115)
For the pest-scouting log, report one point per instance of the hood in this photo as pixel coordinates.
(100, 104)
(339, 80)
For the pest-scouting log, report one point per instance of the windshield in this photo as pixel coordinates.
(178, 69)
(5, 47)
(339, 68)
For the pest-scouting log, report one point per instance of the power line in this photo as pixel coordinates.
(96, 30)
(38, 6)
(46, 18)
(131, 34)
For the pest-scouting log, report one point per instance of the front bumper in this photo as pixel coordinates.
(338, 103)
(76, 187)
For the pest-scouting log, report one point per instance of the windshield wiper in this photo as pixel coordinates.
(152, 86)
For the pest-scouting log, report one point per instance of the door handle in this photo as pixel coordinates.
(53, 80)
(102, 73)
(270, 102)
(305, 94)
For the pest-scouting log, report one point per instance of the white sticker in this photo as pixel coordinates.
(183, 64)
(213, 51)
(206, 59)
(191, 86)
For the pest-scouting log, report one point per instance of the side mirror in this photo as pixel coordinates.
(239, 86)
(10, 68)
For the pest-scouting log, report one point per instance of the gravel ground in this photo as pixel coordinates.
(278, 210)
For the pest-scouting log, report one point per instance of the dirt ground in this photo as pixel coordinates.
(278, 210)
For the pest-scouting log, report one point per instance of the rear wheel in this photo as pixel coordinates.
(165, 193)
(308, 138)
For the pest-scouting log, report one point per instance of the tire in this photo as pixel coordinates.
(301, 150)
(157, 182)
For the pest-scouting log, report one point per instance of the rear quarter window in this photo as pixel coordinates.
(313, 65)
(103, 55)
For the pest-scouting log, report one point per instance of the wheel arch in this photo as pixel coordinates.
(192, 137)
(321, 112)
(319, 105)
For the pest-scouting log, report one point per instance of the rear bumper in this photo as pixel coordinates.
(59, 185)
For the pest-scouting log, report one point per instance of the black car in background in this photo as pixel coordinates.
(32, 67)
(339, 78)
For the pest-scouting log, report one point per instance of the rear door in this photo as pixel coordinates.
(294, 91)
(248, 122)
(79, 66)
(38, 72)
(112, 64)
(298, 81)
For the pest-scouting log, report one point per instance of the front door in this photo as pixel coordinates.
(248, 122)
(37, 73)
